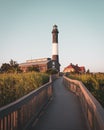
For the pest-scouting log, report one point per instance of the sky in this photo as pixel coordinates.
(26, 26)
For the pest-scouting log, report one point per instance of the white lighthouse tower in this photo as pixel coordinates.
(55, 32)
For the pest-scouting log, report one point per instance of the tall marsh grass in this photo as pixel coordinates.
(14, 86)
(94, 83)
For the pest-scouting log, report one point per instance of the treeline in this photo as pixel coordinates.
(94, 83)
(14, 86)
(11, 67)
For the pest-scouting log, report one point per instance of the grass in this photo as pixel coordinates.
(14, 86)
(94, 83)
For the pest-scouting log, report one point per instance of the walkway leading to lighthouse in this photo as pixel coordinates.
(63, 113)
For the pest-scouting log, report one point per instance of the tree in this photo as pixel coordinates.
(5, 67)
(88, 71)
(10, 67)
(14, 66)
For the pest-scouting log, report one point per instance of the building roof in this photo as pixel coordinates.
(76, 68)
(82, 68)
(69, 66)
(35, 62)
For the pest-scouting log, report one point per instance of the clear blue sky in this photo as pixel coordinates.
(26, 25)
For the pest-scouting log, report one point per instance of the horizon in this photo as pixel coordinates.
(26, 26)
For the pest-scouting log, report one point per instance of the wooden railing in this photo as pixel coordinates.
(19, 114)
(93, 111)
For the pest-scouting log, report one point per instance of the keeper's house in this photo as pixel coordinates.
(42, 64)
(74, 69)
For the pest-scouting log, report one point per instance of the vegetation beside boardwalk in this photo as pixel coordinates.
(94, 83)
(14, 86)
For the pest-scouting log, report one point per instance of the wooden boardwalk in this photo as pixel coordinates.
(63, 113)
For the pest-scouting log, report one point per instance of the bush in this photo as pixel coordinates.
(52, 71)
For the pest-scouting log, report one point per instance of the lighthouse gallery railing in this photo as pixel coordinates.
(19, 114)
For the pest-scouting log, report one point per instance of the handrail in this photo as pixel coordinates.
(18, 115)
(93, 111)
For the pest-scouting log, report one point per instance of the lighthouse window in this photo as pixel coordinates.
(53, 63)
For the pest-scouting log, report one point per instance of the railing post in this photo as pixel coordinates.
(19, 122)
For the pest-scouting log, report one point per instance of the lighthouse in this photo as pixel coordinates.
(55, 32)
(45, 64)
(55, 56)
